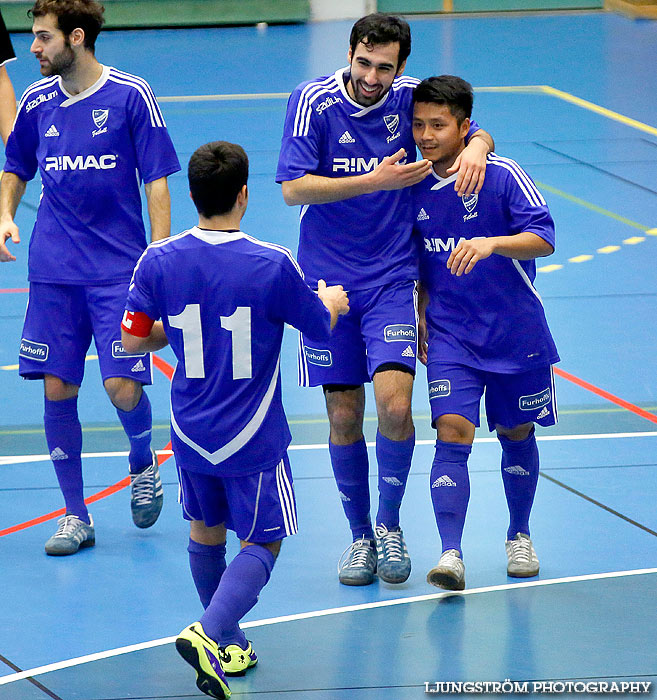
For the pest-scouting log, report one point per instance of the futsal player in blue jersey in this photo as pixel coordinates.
(347, 156)
(93, 133)
(224, 298)
(485, 321)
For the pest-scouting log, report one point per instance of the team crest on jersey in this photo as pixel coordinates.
(470, 202)
(100, 119)
(322, 358)
(392, 122)
(119, 353)
(439, 388)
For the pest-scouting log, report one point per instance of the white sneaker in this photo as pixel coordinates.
(522, 559)
(449, 572)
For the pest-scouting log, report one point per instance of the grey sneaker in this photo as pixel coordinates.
(522, 559)
(393, 563)
(357, 564)
(449, 573)
(147, 495)
(72, 533)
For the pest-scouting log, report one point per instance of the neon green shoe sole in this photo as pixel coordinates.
(203, 655)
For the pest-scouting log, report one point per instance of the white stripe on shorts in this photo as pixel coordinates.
(286, 497)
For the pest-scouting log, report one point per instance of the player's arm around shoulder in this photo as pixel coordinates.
(471, 163)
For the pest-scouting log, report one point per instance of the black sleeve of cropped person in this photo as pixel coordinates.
(6, 49)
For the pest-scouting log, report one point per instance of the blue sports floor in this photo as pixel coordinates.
(573, 98)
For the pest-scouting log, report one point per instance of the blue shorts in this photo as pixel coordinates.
(381, 327)
(511, 399)
(258, 507)
(59, 323)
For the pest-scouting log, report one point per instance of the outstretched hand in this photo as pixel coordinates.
(390, 174)
(8, 230)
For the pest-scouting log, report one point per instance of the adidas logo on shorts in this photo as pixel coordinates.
(422, 216)
(392, 480)
(543, 414)
(443, 480)
(516, 469)
(138, 367)
(52, 131)
(346, 138)
(408, 352)
(57, 454)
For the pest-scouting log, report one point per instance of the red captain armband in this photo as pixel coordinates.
(137, 323)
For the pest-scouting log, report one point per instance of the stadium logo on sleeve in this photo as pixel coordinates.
(439, 388)
(399, 332)
(322, 358)
(392, 122)
(535, 401)
(38, 100)
(328, 102)
(119, 353)
(100, 119)
(33, 351)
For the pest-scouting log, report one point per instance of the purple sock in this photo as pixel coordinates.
(236, 594)
(520, 475)
(207, 563)
(138, 425)
(351, 470)
(394, 460)
(64, 438)
(450, 491)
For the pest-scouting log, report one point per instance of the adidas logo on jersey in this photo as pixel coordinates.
(408, 352)
(423, 216)
(443, 480)
(517, 470)
(52, 131)
(138, 367)
(344, 497)
(543, 414)
(58, 454)
(346, 138)
(392, 480)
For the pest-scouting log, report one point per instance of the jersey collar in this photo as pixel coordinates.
(216, 237)
(442, 181)
(72, 99)
(340, 76)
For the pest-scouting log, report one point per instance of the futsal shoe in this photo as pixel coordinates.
(235, 661)
(521, 556)
(449, 573)
(357, 564)
(203, 655)
(72, 534)
(393, 564)
(147, 495)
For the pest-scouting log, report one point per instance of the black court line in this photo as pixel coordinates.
(594, 167)
(34, 682)
(597, 503)
(650, 143)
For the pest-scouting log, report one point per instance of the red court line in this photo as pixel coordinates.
(606, 395)
(167, 370)
(13, 291)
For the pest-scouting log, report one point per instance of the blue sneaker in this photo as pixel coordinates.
(147, 495)
(357, 564)
(72, 534)
(235, 661)
(393, 563)
(202, 654)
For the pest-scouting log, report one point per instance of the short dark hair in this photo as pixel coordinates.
(379, 28)
(217, 172)
(73, 14)
(448, 90)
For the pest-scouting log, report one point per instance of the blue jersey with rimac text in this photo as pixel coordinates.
(92, 151)
(364, 241)
(492, 318)
(224, 298)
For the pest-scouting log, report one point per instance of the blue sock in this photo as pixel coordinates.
(450, 491)
(394, 460)
(64, 438)
(138, 424)
(236, 594)
(207, 563)
(351, 470)
(520, 476)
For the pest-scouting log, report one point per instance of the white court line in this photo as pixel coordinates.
(22, 459)
(88, 658)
